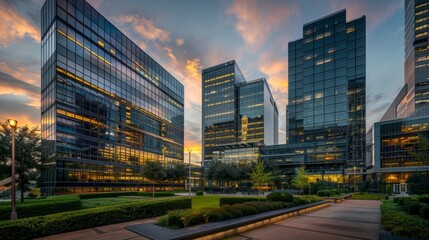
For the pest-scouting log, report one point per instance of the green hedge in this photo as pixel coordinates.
(280, 196)
(157, 194)
(324, 193)
(185, 218)
(70, 221)
(42, 207)
(403, 224)
(117, 194)
(234, 200)
(412, 207)
(106, 195)
(424, 212)
(423, 199)
(401, 200)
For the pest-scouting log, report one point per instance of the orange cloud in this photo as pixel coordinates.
(10, 85)
(170, 54)
(257, 19)
(14, 27)
(180, 41)
(276, 70)
(145, 27)
(22, 73)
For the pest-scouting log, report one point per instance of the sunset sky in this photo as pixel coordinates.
(187, 36)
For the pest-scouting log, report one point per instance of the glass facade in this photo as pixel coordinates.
(414, 96)
(107, 106)
(391, 143)
(236, 113)
(326, 108)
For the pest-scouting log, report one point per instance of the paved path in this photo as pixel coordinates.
(351, 219)
(107, 232)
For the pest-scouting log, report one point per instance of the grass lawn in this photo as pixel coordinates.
(205, 201)
(367, 196)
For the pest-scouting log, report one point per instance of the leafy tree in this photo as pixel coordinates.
(153, 170)
(300, 180)
(421, 155)
(175, 172)
(260, 176)
(27, 152)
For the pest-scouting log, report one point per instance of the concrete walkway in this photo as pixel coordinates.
(351, 219)
(107, 232)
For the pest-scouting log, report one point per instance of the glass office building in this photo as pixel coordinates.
(107, 106)
(390, 145)
(237, 113)
(414, 95)
(326, 108)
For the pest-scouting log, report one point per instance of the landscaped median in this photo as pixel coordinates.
(406, 216)
(244, 214)
(33, 227)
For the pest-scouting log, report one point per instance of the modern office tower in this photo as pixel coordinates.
(414, 96)
(236, 114)
(107, 106)
(326, 109)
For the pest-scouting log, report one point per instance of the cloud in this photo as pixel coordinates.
(257, 19)
(144, 27)
(180, 42)
(276, 70)
(15, 106)
(14, 27)
(193, 67)
(170, 54)
(20, 72)
(30, 94)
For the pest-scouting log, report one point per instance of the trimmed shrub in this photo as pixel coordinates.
(424, 212)
(199, 193)
(34, 227)
(324, 193)
(412, 207)
(310, 198)
(300, 201)
(343, 190)
(234, 200)
(280, 197)
(42, 207)
(423, 199)
(335, 192)
(401, 200)
(235, 211)
(106, 195)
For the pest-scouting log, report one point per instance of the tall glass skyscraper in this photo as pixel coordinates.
(237, 114)
(414, 96)
(326, 109)
(107, 106)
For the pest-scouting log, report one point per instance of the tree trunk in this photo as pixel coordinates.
(153, 189)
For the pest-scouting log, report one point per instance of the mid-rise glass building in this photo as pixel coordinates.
(390, 148)
(236, 114)
(326, 108)
(107, 106)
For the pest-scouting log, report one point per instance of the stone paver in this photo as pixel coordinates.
(107, 232)
(351, 219)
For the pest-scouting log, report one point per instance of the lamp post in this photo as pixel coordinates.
(354, 178)
(13, 124)
(189, 179)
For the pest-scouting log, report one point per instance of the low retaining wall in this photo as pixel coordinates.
(225, 228)
(338, 199)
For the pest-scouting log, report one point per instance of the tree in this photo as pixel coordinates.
(259, 176)
(421, 155)
(27, 151)
(300, 180)
(153, 170)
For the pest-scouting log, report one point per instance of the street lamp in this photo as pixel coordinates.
(354, 178)
(189, 179)
(13, 124)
